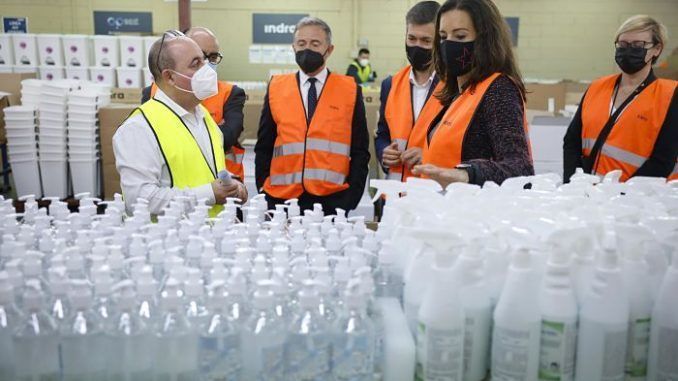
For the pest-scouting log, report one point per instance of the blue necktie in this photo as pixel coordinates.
(312, 99)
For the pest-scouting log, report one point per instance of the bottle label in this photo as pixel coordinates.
(557, 350)
(637, 348)
(439, 354)
(510, 353)
(667, 366)
(219, 358)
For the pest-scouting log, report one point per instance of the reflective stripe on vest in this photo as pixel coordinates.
(234, 161)
(363, 72)
(445, 146)
(633, 136)
(399, 116)
(186, 164)
(311, 158)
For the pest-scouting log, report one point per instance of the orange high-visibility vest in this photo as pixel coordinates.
(445, 146)
(633, 136)
(399, 116)
(215, 105)
(310, 157)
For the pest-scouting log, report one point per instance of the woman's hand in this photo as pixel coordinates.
(443, 176)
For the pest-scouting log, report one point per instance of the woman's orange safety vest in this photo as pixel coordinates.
(215, 105)
(445, 146)
(310, 157)
(400, 119)
(633, 136)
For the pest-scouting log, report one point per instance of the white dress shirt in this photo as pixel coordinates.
(419, 93)
(143, 171)
(304, 85)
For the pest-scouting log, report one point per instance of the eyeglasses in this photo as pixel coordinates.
(633, 44)
(172, 33)
(213, 58)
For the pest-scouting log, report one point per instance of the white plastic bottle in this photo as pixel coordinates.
(177, 356)
(308, 344)
(263, 338)
(9, 320)
(603, 323)
(416, 279)
(36, 341)
(353, 345)
(219, 345)
(662, 364)
(639, 290)
(516, 332)
(130, 338)
(399, 350)
(477, 304)
(559, 314)
(441, 324)
(83, 345)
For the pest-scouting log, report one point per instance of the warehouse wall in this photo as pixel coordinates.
(557, 38)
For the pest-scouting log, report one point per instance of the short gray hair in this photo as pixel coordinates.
(314, 21)
(159, 58)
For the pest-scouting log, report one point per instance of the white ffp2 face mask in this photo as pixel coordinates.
(364, 62)
(203, 82)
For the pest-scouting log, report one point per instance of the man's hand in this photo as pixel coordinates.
(411, 157)
(391, 156)
(443, 176)
(222, 192)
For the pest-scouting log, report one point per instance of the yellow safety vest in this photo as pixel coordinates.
(363, 72)
(188, 167)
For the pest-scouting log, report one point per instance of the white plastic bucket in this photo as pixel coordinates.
(54, 177)
(85, 175)
(26, 175)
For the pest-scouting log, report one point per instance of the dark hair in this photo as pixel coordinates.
(363, 51)
(422, 13)
(492, 52)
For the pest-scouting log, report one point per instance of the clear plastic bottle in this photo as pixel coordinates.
(83, 345)
(309, 340)
(9, 320)
(131, 340)
(196, 310)
(58, 286)
(146, 288)
(177, 341)
(219, 346)
(36, 340)
(263, 338)
(238, 306)
(353, 344)
(389, 282)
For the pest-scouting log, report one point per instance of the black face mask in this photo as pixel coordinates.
(309, 60)
(630, 60)
(457, 57)
(420, 58)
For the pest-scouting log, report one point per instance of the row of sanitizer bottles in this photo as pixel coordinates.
(541, 329)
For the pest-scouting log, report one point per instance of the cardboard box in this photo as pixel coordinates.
(110, 119)
(11, 83)
(126, 96)
(539, 96)
(252, 114)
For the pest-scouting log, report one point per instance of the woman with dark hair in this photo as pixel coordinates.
(481, 133)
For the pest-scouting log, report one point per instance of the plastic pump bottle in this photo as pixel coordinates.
(83, 345)
(178, 359)
(559, 313)
(603, 322)
(664, 334)
(308, 345)
(9, 320)
(219, 345)
(264, 338)
(37, 336)
(440, 329)
(130, 338)
(517, 319)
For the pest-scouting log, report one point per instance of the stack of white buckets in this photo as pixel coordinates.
(116, 61)
(23, 152)
(67, 136)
